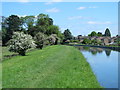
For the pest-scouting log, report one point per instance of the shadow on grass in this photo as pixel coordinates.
(9, 56)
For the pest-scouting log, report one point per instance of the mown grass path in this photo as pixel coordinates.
(53, 67)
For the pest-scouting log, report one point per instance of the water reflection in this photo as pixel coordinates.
(104, 63)
(108, 52)
(94, 51)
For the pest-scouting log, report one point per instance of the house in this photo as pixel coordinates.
(105, 41)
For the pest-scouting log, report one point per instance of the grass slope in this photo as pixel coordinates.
(53, 67)
(0, 75)
(5, 51)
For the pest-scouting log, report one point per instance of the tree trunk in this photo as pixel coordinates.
(22, 53)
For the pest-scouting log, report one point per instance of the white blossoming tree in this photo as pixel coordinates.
(21, 42)
(53, 39)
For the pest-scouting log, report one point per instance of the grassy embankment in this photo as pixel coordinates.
(53, 67)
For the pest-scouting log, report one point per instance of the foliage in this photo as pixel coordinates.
(39, 40)
(9, 25)
(4, 30)
(96, 42)
(74, 41)
(21, 42)
(28, 21)
(107, 33)
(5, 36)
(53, 39)
(52, 29)
(67, 35)
(29, 25)
(86, 41)
(93, 34)
(99, 34)
(117, 41)
(44, 20)
(14, 24)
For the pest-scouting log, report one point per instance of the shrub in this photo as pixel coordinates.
(53, 39)
(77, 41)
(21, 42)
(39, 40)
(96, 42)
(86, 41)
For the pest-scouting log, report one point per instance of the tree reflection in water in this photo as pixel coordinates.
(108, 52)
(94, 50)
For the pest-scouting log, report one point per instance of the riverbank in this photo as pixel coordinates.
(53, 67)
(116, 48)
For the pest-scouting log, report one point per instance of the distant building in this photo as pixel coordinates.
(105, 40)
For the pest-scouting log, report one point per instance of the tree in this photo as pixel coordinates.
(86, 41)
(117, 41)
(11, 24)
(52, 29)
(99, 34)
(107, 33)
(4, 22)
(28, 21)
(44, 24)
(21, 42)
(43, 19)
(36, 29)
(5, 37)
(67, 34)
(14, 23)
(53, 39)
(93, 34)
(39, 40)
(4, 31)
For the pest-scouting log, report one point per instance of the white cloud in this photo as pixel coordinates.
(94, 22)
(81, 8)
(24, 1)
(75, 17)
(53, 10)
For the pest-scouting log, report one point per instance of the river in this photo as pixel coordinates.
(104, 63)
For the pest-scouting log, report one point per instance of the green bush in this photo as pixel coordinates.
(40, 39)
(96, 42)
(74, 41)
(53, 39)
(86, 41)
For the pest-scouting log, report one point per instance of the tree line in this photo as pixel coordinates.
(107, 33)
(22, 33)
(30, 25)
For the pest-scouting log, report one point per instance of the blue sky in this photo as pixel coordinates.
(80, 17)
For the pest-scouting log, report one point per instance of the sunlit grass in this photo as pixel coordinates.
(53, 67)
